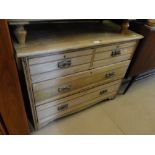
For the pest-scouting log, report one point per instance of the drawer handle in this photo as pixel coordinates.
(115, 52)
(109, 75)
(64, 88)
(64, 63)
(103, 91)
(62, 107)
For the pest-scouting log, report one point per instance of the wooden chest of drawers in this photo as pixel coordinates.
(70, 72)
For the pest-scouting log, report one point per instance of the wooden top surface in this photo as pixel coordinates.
(62, 38)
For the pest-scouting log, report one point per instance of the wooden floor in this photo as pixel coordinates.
(132, 113)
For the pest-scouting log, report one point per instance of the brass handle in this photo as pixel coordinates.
(62, 107)
(64, 63)
(64, 88)
(116, 52)
(103, 91)
(109, 75)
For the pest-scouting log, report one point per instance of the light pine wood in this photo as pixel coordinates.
(59, 56)
(75, 109)
(111, 60)
(108, 54)
(50, 91)
(114, 46)
(49, 83)
(76, 95)
(124, 27)
(50, 66)
(44, 113)
(66, 40)
(20, 34)
(67, 70)
(88, 97)
(59, 73)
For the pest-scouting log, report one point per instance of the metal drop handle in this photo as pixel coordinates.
(64, 88)
(109, 75)
(64, 64)
(103, 91)
(62, 107)
(116, 52)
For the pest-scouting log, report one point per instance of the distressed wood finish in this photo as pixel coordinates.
(67, 70)
(54, 57)
(59, 73)
(113, 60)
(67, 39)
(89, 95)
(51, 66)
(49, 90)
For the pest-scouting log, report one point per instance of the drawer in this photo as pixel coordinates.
(60, 56)
(59, 73)
(48, 110)
(57, 88)
(59, 65)
(75, 109)
(112, 47)
(113, 53)
(113, 60)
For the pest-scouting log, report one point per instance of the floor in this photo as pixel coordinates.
(132, 113)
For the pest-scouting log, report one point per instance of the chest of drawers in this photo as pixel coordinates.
(68, 72)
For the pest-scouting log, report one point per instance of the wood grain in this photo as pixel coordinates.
(59, 56)
(49, 90)
(51, 66)
(53, 41)
(59, 73)
(113, 60)
(45, 114)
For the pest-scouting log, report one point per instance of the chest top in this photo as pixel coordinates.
(65, 38)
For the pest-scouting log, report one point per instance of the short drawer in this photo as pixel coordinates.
(117, 46)
(113, 53)
(59, 73)
(60, 56)
(59, 65)
(61, 87)
(48, 110)
(114, 60)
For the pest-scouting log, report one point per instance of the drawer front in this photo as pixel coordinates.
(113, 53)
(44, 111)
(55, 57)
(75, 109)
(114, 60)
(61, 87)
(59, 73)
(59, 65)
(117, 46)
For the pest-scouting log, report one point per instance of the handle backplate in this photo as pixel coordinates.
(64, 64)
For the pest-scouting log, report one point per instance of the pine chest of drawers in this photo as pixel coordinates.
(67, 72)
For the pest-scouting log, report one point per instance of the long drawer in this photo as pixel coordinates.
(56, 108)
(57, 88)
